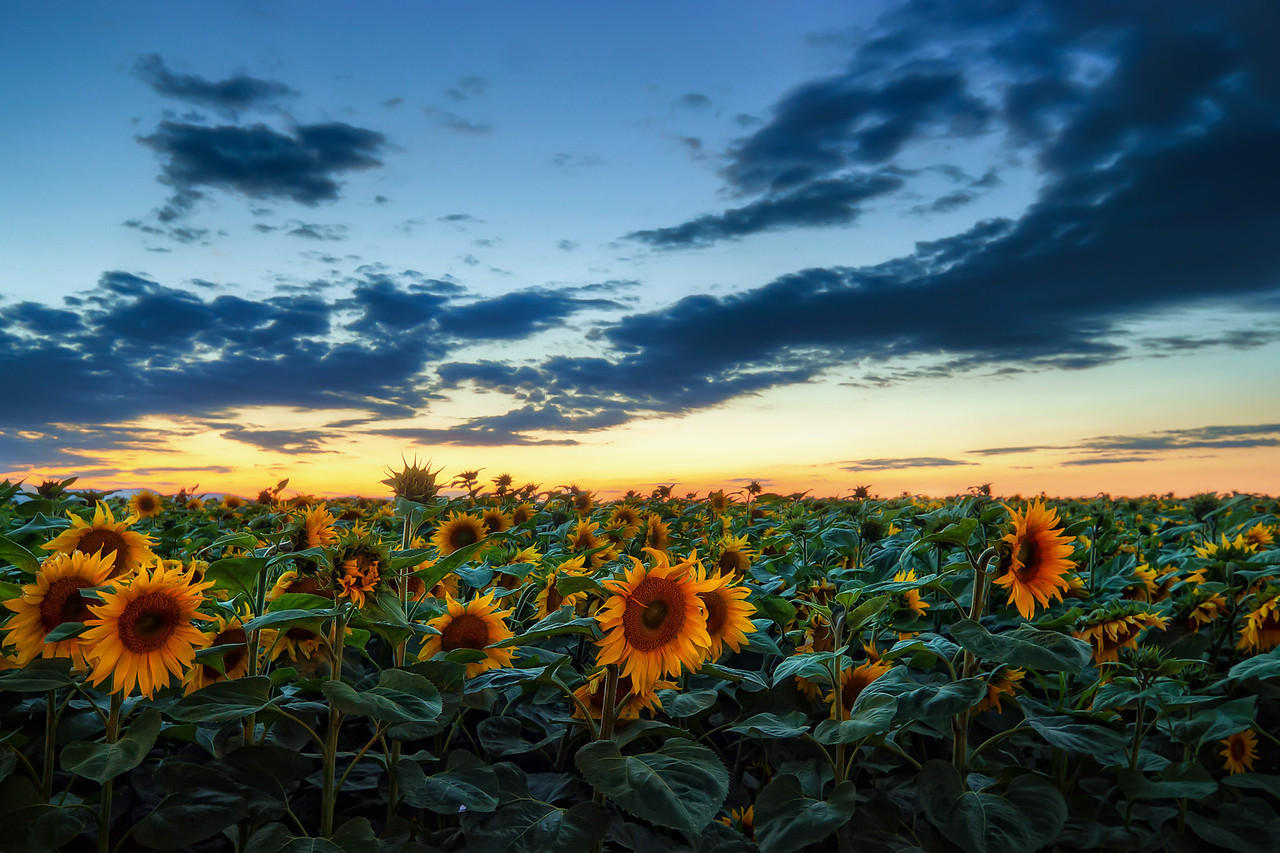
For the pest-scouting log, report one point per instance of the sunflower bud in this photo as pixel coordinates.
(414, 483)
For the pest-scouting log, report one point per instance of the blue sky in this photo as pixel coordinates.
(806, 242)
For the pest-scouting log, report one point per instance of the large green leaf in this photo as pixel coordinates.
(1046, 651)
(532, 826)
(400, 697)
(773, 726)
(40, 828)
(223, 701)
(682, 785)
(787, 820)
(18, 555)
(236, 574)
(562, 623)
(1188, 779)
(940, 699)
(1027, 815)
(103, 761)
(872, 714)
(191, 815)
(37, 676)
(1212, 724)
(468, 785)
(1258, 666)
(1107, 746)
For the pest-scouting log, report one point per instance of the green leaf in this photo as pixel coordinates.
(1212, 724)
(311, 619)
(562, 623)
(940, 699)
(786, 820)
(432, 575)
(873, 714)
(1046, 651)
(1246, 827)
(275, 838)
(682, 785)
(103, 761)
(37, 676)
(223, 701)
(400, 697)
(40, 828)
(463, 787)
(1188, 779)
(1107, 746)
(865, 612)
(568, 585)
(1259, 666)
(778, 609)
(748, 680)
(774, 727)
(18, 555)
(239, 539)
(956, 533)
(532, 826)
(1026, 816)
(189, 816)
(815, 666)
(679, 705)
(236, 574)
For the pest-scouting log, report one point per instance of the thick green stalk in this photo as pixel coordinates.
(104, 806)
(50, 742)
(328, 790)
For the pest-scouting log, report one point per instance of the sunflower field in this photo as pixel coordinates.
(519, 670)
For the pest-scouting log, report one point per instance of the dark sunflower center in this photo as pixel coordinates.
(148, 622)
(730, 561)
(1237, 748)
(104, 541)
(654, 614)
(146, 503)
(310, 586)
(63, 603)
(463, 536)
(1028, 556)
(466, 631)
(554, 598)
(717, 611)
(853, 688)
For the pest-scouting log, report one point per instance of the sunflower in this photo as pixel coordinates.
(52, 600)
(743, 819)
(1259, 536)
(295, 582)
(299, 642)
(910, 600)
(583, 538)
(719, 502)
(1228, 549)
(1117, 627)
(105, 535)
(728, 612)
(474, 625)
(1261, 630)
(1239, 751)
(495, 520)
(627, 700)
(852, 683)
(359, 577)
(1206, 608)
(146, 504)
(734, 555)
(141, 633)
(550, 599)
(523, 513)
(232, 502)
(657, 534)
(235, 663)
(1039, 558)
(655, 623)
(459, 531)
(1005, 684)
(625, 518)
(317, 530)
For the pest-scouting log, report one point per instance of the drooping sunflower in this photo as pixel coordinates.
(1117, 627)
(294, 581)
(105, 535)
(1002, 683)
(146, 504)
(1239, 751)
(910, 600)
(1259, 536)
(142, 632)
(1261, 630)
(1227, 549)
(734, 555)
(628, 701)
(358, 578)
(719, 502)
(234, 663)
(655, 623)
(459, 530)
(316, 527)
(584, 537)
(1204, 608)
(1039, 559)
(728, 612)
(232, 502)
(52, 600)
(474, 625)
(299, 642)
(852, 682)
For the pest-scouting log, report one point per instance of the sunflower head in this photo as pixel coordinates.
(104, 535)
(495, 520)
(313, 527)
(728, 612)
(53, 599)
(1037, 559)
(852, 682)
(1261, 630)
(232, 664)
(1239, 751)
(142, 633)
(294, 581)
(1118, 626)
(477, 625)
(628, 701)
(1003, 682)
(413, 482)
(146, 504)
(458, 531)
(735, 556)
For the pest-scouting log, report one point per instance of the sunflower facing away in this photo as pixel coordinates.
(1003, 684)
(1261, 630)
(105, 535)
(316, 527)
(655, 623)
(459, 531)
(910, 600)
(53, 599)
(1239, 751)
(141, 633)
(1118, 627)
(1039, 559)
(474, 625)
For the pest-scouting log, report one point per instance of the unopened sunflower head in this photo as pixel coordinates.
(413, 482)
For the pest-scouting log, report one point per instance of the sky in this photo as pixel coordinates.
(919, 246)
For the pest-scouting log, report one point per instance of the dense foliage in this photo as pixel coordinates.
(511, 670)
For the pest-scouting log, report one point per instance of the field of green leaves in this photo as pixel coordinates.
(520, 670)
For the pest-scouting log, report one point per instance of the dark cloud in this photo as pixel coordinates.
(833, 202)
(566, 245)
(905, 462)
(467, 88)
(455, 123)
(258, 162)
(305, 230)
(695, 101)
(470, 436)
(235, 93)
(299, 441)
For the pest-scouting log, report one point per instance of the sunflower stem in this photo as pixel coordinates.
(329, 792)
(104, 805)
(401, 648)
(960, 723)
(50, 741)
